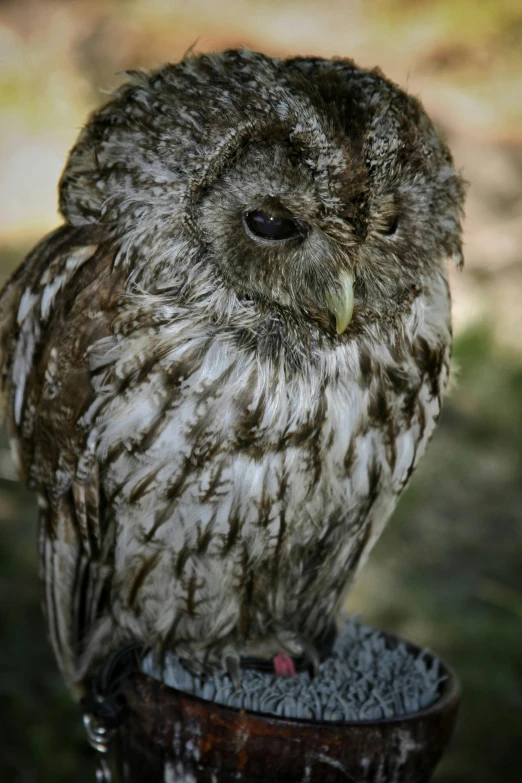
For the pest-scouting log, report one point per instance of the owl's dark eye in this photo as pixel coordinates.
(390, 227)
(267, 226)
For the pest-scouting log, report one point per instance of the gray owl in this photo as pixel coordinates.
(221, 371)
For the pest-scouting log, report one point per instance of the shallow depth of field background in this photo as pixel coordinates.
(447, 572)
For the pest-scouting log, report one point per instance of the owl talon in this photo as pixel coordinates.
(312, 657)
(233, 669)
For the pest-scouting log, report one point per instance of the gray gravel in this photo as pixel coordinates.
(362, 680)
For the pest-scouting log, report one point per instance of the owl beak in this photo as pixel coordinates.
(340, 302)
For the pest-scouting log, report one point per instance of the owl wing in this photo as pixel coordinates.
(58, 304)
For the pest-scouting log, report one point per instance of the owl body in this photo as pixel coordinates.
(222, 371)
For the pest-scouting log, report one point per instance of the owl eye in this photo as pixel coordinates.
(390, 226)
(267, 226)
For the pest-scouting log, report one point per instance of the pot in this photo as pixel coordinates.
(173, 737)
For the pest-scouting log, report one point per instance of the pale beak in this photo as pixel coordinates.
(340, 302)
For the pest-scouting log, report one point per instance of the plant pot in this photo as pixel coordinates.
(170, 736)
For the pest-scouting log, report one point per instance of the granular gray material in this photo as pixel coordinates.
(365, 678)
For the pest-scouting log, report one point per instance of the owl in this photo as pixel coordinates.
(221, 371)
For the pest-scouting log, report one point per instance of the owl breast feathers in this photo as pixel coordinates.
(221, 371)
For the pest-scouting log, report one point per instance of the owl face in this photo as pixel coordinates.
(266, 229)
(314, 191)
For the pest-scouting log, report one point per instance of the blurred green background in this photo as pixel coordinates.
(447, 572)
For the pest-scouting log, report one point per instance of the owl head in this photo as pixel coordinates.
(306, 191)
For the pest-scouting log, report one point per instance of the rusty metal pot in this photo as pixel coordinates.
(170, 736)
